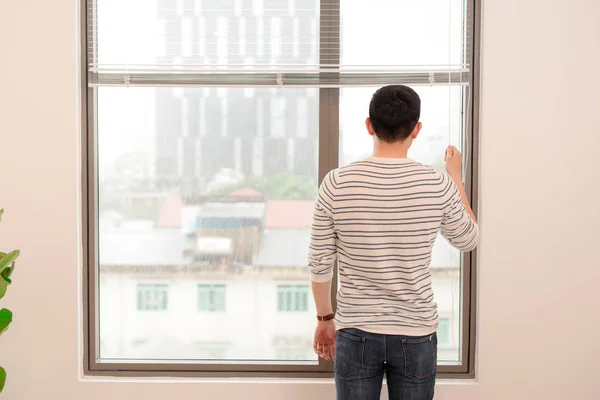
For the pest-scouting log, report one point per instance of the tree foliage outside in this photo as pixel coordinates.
(283, 186)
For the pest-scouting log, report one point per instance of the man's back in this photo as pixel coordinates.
(381, 216)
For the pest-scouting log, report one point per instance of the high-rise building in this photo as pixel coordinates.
(256, 132)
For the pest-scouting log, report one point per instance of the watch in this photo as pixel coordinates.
(327, 317)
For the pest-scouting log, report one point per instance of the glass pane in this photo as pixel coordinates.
(208, 32)
(444, 333)
(402, 32)
(441, 114)
(204, 211)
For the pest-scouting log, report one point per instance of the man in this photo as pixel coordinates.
(379, 219)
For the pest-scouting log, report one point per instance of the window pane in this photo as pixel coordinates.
(210, 32)
(444, 333)
(204, 211)
(441, 114)
(402, 32)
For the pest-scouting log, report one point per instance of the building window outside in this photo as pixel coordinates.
(292, 298)
(212, 298)
(152, 297)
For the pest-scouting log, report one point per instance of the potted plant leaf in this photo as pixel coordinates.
(7, 265)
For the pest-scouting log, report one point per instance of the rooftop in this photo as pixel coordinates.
(145, 246)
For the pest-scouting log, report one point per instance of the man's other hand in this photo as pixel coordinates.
(324, 341)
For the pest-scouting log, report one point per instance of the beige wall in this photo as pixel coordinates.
(538, 320)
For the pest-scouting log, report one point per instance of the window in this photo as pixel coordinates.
(293, 354)
(209, 128)
(444, 333)
(152, 297)
(292, 298)
(212, 298)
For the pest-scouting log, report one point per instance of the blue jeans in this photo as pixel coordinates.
(362, 359)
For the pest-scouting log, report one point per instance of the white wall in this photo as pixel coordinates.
(538, 329)
(248, 328)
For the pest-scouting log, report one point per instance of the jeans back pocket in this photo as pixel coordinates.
(349, 354)
(420, 357)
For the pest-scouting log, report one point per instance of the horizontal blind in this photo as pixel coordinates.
(276, 43)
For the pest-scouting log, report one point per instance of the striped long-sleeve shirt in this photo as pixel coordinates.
(379, 219)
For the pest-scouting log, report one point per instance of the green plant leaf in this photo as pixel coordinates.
(7, 273)
(8, 259)
(6, 317)
(2, 378)
(6, 268)
(1, 212)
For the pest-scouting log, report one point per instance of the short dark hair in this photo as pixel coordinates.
(394, 112)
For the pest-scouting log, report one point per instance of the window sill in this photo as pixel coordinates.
(252, 381)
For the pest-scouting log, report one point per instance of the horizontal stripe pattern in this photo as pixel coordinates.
(379, 218)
